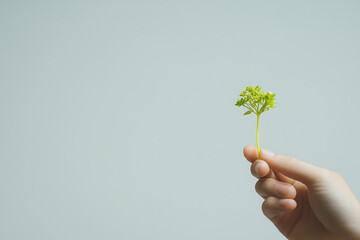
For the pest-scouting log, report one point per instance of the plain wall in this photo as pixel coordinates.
(118, 117)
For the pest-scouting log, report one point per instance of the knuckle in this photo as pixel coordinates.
(325, 174)
(322, 174)
(334, 175)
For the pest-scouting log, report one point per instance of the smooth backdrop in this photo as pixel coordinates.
(118, 118)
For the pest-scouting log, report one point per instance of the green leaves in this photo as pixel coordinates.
(248, 112)
(255, 100)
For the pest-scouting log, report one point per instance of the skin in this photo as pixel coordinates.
(304, 201)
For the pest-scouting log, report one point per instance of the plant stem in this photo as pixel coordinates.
(257, 135)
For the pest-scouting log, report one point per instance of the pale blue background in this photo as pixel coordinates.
(118, 117)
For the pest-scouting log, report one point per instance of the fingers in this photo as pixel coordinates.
(291, 167)
(273, 207)
(260, 169)
(267, 187)
(250, 153)
(274, 185)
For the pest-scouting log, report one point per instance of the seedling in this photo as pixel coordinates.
(256, 102)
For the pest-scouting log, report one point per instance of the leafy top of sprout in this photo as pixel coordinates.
(256, 101)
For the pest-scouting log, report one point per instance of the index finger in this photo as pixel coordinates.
(250, 153)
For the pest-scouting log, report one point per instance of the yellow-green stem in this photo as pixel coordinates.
(257, 135)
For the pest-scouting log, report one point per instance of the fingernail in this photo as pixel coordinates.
(266, 153)
(282, 189)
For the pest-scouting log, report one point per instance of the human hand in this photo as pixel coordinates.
(303, 201)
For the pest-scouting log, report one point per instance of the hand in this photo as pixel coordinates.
(303, 201)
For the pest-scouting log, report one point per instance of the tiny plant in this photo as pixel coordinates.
(256, 102)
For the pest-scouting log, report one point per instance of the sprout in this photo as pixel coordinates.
(256, 102)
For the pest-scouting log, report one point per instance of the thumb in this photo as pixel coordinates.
(291, 167)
